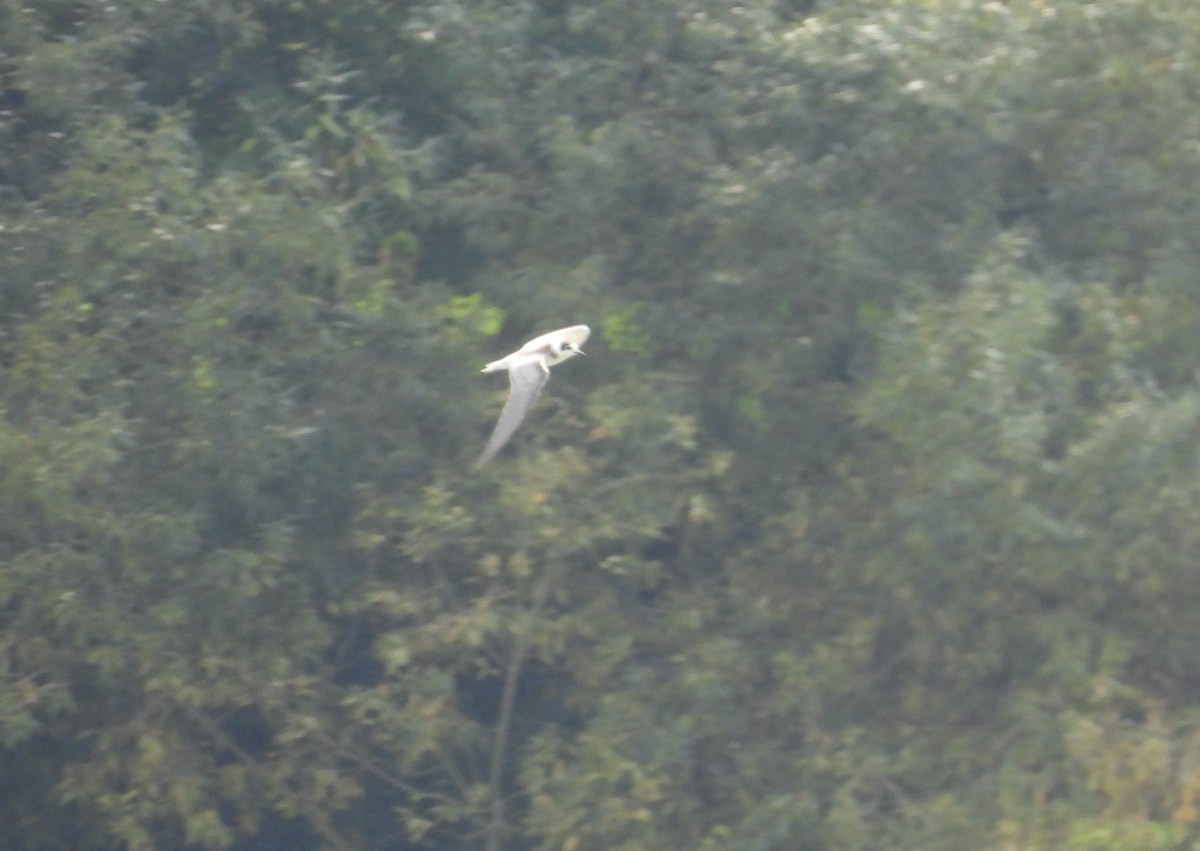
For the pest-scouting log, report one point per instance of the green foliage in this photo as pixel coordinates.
(869, 522)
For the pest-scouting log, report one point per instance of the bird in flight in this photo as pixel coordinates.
(528, 371)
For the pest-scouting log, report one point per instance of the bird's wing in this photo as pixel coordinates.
(576, 334)
(525, 385)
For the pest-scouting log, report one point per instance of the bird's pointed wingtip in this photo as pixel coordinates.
(486, 455)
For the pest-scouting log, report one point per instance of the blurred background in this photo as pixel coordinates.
(870, 521)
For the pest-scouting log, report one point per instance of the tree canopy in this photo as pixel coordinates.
(871, 520)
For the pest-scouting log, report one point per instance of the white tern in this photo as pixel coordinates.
(528, 371)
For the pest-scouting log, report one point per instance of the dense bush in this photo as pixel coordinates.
(869, 522)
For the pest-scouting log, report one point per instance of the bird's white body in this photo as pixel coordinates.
(528, 371)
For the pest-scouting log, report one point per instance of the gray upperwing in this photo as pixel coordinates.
(525, 384)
